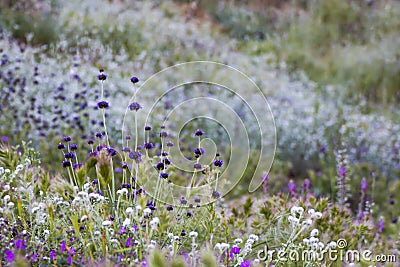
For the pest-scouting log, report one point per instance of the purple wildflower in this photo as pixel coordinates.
(128, 242)
(364, 185)
(218, 163)
(52, 255)
(245, 264)
(63, 246)
(4, 139)
(342, 171)
(235, 250)
(103, 104)
(381, 225)
(135, 106)
(134, 79)
(20, 244)
(10, 257)
(292, 188)
(198, 132)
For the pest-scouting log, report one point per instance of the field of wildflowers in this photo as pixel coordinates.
(199, 133)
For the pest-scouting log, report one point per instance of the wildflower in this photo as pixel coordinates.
(235, 250)
(98, 134)
(163, 134)
(10, 257)
(134, 106)
(292, 188)
(147, 128)
(314, 233)
(66, 164)
(73, 147)
(52, 255)
(154, 223)
(148, 145)
(103, 104)
(128, 242)
(20, 244)
(169, 144)
(69, 155)
(364, 185)
(169, 208)
(129, 210)
(197, 166)
(160, 166)
(67, 139)
(146, 212)
(193, 234)
(245, 264)
(380, 225)
(134, 79)
(106, 223)
(293, 220)
(126, 222)
(296, 210)
(164, 175)
(61, 146)
(102, 76)
(136, 155)
(198, 132)
(216, 194)
(238, 241)
(218, 163)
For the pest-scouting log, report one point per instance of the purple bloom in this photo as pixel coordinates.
(74, 146)
(135, 106)
(134, 79)
(197, 166)
(61, 146)
(342, 171)
(164, 175)
(292, 188)
(306, 185)
(235, 250)
(67, 139)
(10, 257)
(160, 166)
(128, 242)
(245, 264)
(198, 132)
(102, 76)
(137, 156)
(4, 138)
(380, 225)
(148, 145)
(364, 185)
(69, 259)
(66, 164)
(103, 104)
(20, 244)
(63, 246)
(218, 163)
(170, 144)
(122, 230)
(52, 255)
(147, 128)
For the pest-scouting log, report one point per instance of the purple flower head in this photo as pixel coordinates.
(342, 171)
(20, 244)
(66, 164)
(63, 246)
(10, 257)
(99, 135)
(102, 76)
(235, 250)
(134, 79)
(118, 170)
(364, 185)
(245, 264)
(67, 139)
(148, 145)
(160, 166)
(292, 188)
(170, 144)
(380, 225)
(164, 175)
(73, 147)
(147, 128)
(135, 106)
(4, 139)
(216, 194)
(122, 230)
(61, 146)
(103, 104)
(136, 155)
(52, 255)
(163, 134)
(128, 242)
(69, 155)
(112, 152)
(218, 163)
(198, 132)
(306, 185)
(197, 166)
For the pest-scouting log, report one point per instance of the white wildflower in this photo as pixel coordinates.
(106, 223)
(129, 210)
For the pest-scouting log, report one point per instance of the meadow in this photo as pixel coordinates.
(199, 133)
